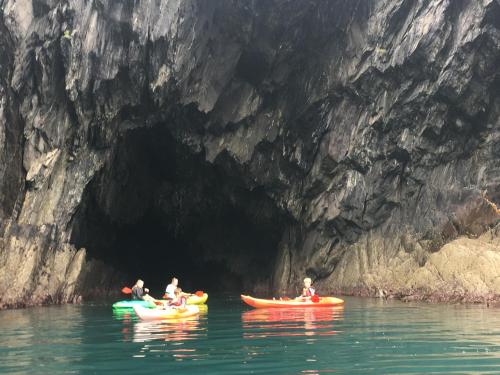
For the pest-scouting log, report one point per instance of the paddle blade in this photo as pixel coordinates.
(126, 290)
(315, 299)
(199, 293)
(158, 303)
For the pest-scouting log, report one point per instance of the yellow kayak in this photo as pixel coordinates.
(197, 300)
(192, 299)
(167, 313)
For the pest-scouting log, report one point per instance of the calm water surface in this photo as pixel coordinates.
(365, 337)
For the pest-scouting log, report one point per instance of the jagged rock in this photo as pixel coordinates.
(465, 266)
(35, 272)
(41, 168)
(356, 142)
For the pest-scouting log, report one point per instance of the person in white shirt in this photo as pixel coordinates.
(170, 291)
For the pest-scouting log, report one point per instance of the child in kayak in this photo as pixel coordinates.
(308, 291)
(180, 299)
(170, 291)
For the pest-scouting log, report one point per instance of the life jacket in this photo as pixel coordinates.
(137, 293)
(309, 292)
(182, 301)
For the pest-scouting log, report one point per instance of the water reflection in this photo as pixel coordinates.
(164, 330)
(168, 330)
(175, 337)
(124, 314)
(318, 321)
(366, 337)
(27, 342)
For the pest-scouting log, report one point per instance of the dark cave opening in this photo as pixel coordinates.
(158, 210)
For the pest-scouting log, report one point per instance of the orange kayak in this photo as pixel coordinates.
(262, 303)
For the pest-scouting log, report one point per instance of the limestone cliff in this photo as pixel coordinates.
(353, 141)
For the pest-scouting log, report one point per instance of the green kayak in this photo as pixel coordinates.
(128, 304)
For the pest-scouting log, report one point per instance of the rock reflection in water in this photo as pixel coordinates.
(262, 323)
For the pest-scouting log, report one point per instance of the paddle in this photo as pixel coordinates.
(315, 299)
(126, 290)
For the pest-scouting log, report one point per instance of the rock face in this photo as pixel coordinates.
(356, 142)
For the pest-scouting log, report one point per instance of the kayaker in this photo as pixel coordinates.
(179, 299)
(308, 291)
(138, 293)
(170, 290)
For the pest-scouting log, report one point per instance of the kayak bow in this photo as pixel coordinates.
(197, 300)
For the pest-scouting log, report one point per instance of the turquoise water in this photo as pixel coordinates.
(365, 337)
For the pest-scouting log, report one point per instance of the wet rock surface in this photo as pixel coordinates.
(356, 141)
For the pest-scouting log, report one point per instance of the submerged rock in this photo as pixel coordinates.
(356, 142)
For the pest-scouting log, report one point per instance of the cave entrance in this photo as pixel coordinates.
(158, 210)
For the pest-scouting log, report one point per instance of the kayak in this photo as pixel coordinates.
(129, 304)
(262, 303)
(203, 308)
(193, 299)
(169, 313)
(197, 300)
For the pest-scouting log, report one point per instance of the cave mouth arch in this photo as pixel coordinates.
(157, 210)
